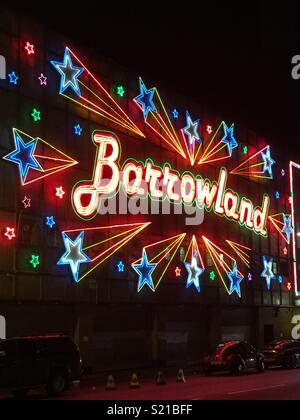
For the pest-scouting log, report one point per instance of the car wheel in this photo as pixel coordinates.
(238, 368)
(57, 384)
(261, 365)
(294, 361)
(20, 394)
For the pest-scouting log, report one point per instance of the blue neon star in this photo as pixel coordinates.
(69, 73)
(268, 271)
(175, 114)
(287, 229)
(194, 273)
(229, 139)
(145, 271)
(50, 222)
(23, 156)
(77, 130)
(74, 254)
(191, 129)
(13, 78)
(145, 99)
(268, 162)
(277, 195)
(121, 267)
(235, 280)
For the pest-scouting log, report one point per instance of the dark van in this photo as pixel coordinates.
(52, 362)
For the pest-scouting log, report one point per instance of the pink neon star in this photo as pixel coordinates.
(178, 272)
(60, 192)
(27, 202)
(285, 251)
(43, 80)
(10, 233)
(209, 129)
(29, 48)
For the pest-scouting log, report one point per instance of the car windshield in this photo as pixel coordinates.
(225, 347)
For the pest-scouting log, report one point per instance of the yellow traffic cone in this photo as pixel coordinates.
(160, 379)
(111, 384)
(134, 382)
(181, 378)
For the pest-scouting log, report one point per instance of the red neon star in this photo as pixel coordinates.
(60, 192)
(285, 251)
(209, 129)
(10, 233)
(289, 286)
(26, 202)
(178, 272)
(29, 48)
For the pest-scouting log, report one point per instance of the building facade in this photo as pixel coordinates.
(146, 232)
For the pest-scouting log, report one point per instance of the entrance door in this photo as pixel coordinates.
(268, 333)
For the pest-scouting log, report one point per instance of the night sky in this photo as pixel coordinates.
(235, 60)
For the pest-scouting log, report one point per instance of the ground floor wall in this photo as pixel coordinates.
(133, 336)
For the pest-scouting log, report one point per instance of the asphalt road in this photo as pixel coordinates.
(274, 384)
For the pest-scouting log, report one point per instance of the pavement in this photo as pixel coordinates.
(275, 384)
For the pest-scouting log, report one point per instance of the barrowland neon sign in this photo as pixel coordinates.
(185, 188)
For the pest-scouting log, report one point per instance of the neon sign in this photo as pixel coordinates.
(149, 180)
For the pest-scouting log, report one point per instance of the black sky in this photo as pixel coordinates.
(236, 59)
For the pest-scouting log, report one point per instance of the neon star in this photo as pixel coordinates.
(26, 202)
(287, 229)
(268, 162)
(277, 195)
(145, 99)
(50, 222)
(36, 115)
(191, 129)
(285, 251)
(289, 287)
(69, 73)
(194, 273)
(29, 48)
(235, 281)
(60, 192)
(23, 156)
(209, 129)
(145, 271)
(268, 271)
(121, 267)
(250, 277)
(120, 91)
(13, 78)
(10, 233)
(77, 130)
(280, 279)
(74, 255)
(178, 272)
(245, 150)
(43, 80)
(282, 172)
(229, 139)
(35, 261)
(212, 276)
(175, 114)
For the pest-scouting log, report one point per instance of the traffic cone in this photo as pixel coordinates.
(181, 378)
(134, 382)
(111, 384)
(160, 379)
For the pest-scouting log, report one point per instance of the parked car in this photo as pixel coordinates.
(235, 357)
(285, 353)
(52, 362)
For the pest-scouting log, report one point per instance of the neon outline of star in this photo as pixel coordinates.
(82, 258)
(231, 142)
(60, 192)
(209, 129)
(35, 261)
(268, 271)
(175, 114)
(120, 91)
(43, 80)
(212, 276)
(149, 95)
(10, 233)
(287, 229)
(29, 48)
(36, 115)
(145, 278)
(78, 130)
(191, 129)
(178, 272)
(13, 78)
(194, 273)
(67, 65)
(23, 166)
(50, 222)
(235, 280)
(26, 202)
(268, 162)
(121, 267)
(250, 277)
